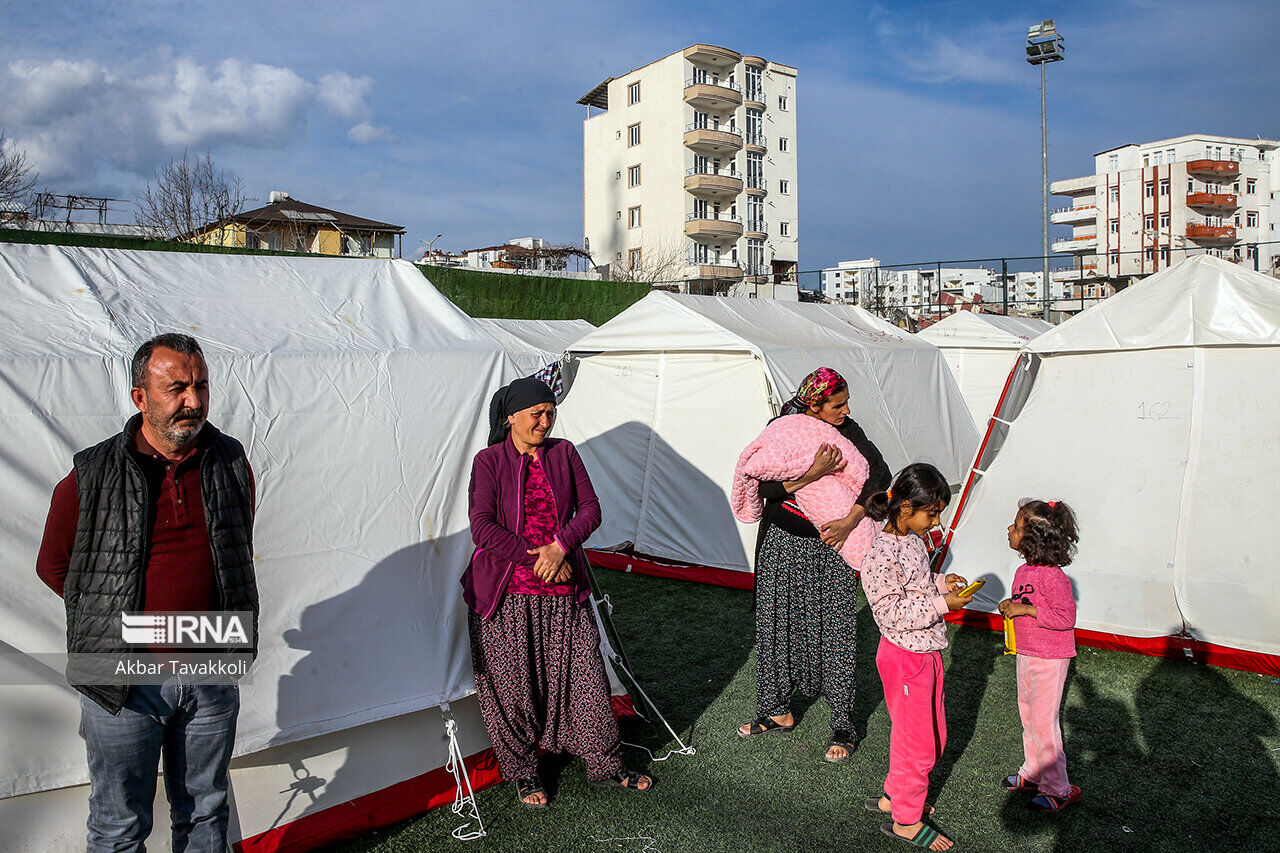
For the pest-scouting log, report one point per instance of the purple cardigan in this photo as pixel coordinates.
(496, 501)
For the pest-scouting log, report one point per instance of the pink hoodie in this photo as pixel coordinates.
(1050, 633)
(906, 597)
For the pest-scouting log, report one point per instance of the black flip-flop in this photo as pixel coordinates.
(764, 726)
(628, 780)
(872, 804)
(527, 788)
(924, 838)
(840, 737)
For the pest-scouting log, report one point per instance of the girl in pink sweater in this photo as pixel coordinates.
(1044, 619)
(908, 602)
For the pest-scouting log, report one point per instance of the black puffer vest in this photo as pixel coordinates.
(109, 559)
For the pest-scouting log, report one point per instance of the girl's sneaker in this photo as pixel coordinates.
(1050, 803)
(1017, 783)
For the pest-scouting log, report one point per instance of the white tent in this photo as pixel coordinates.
(980, 349)
(340, 378)
(533, 344)
(664, 396)
(1156, 416)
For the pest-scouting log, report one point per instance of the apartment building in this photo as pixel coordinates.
(880, 289)
(689, 169)
(1151, 205)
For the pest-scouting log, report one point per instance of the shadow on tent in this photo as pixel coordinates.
(1187, 766)
(344, 639)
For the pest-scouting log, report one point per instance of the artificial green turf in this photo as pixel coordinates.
(1171, 755)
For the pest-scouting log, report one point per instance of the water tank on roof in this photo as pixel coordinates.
(278, 195)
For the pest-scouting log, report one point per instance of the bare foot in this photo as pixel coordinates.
(786, 719)
(536, 799)
(643, 783)
(909, 832)
(885, 807)
(835, 752)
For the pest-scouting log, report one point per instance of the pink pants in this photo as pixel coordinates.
(1040, 683)
(913, 693)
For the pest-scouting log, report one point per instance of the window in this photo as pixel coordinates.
(1148, 221)
(1191, 185)
(1149, 253)
(633, 176)
(1164, 187)
(1113, 162)
(782, 143)
(633, 93)
(1159, 158)
(1251, 252)
(782, 102)
(1146, 160)
(784, 228)
(1235, 188)
(1114, 257)
(1164, 254)
(633, 135)
(784, 187)
(755, 123)
(1170, 156)
(1148, 189)
(1251, 219)
(633, 258)
(633, 217)
(1114, 226)
(1237, 220)
(1250, 186)
(1164, 220)
(1114, 195)
(755, 85)
(617, 176)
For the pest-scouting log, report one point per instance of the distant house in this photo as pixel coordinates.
(291, 225)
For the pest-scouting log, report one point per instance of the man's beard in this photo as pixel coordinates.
(180, 431)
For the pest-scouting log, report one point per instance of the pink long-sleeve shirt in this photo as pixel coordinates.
(1051, 632)
(906, 597)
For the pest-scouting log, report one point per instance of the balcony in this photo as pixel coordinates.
(1074, 215)
(757, 185)
(712, 96)
(1211, 233)
(1085, 243)
(716, 268)
(713, 186)
(757, 143)
(1213, 168)
(1214, 201)
(1074, 186)
(713, 55)
(1074, 275)
(757, 229)
(708, 226)
(711, 140)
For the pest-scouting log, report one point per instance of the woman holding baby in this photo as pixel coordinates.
(806, 592)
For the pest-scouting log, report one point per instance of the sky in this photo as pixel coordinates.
(919, 123)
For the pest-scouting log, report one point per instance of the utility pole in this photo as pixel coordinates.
(1044, 45)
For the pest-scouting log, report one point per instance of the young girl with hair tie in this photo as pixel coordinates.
(1044, 618)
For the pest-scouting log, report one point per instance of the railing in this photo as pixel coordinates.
(723, 84)
(757, 225)
(757, 139)
(1075, 208)
(755, 93)
(723, 173)
(756, 182)
(711, 216)
(703, 125)
(711, 262)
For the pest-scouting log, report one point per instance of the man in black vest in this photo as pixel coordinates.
(158, 518)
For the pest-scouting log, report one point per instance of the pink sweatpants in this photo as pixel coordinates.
(913, 693)
(1040, 683)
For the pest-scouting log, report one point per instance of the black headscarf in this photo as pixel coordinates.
(518, 396)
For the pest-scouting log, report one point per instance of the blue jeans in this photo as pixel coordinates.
(193, 727)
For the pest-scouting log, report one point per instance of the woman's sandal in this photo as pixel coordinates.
(764, 726)
(1052, 803)
(628, 780)
(844, 739)
(924, 838)
(872, 804)
(527, 788)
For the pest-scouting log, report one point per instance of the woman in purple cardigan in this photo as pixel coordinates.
(534, 642)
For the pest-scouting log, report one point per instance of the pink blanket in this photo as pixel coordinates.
(784, 451)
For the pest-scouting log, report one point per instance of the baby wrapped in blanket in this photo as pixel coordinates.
(784, 451)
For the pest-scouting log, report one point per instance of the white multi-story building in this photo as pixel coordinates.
(689, 168)
(1151, 205)
(869, 285)
(847, 279)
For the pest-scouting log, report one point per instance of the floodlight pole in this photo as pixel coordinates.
(1044, 168)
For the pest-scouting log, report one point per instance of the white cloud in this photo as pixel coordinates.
(78, 119)
(365, 133)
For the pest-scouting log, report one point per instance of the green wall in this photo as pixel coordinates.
(529, 297)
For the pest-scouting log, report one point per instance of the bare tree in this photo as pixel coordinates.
(188, 195)
(17, 173)
(547, 256)
(653, 263)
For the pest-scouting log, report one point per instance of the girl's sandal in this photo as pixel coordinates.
(924, 838)
(1017, 783)
(764, 726)
(527, 788)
